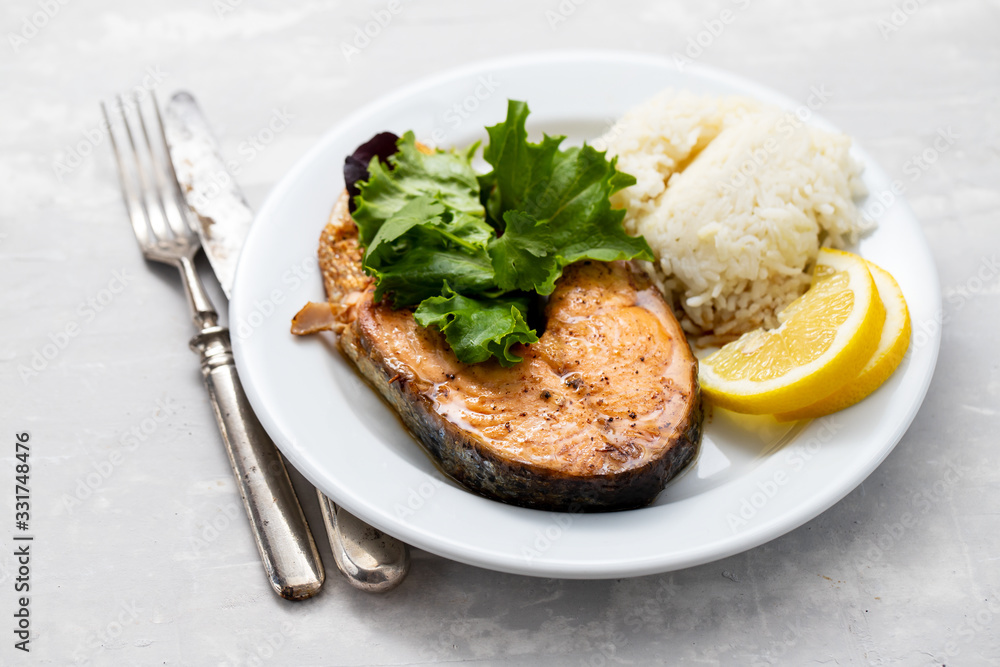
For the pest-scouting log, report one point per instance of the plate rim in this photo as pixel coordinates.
(582, 567)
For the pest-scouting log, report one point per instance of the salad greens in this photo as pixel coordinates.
(468, 251)
(477, 329)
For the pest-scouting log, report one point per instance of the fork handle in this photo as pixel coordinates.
(283, 538)
(202, 311)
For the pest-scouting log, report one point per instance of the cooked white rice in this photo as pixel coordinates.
(735, 198)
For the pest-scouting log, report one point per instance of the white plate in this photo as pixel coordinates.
(753, 481)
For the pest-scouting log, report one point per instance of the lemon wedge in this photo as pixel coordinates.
(825, 338)
(892, 347)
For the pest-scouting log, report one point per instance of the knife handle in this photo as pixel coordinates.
(283, 538)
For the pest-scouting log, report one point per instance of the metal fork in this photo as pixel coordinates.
(164, 229)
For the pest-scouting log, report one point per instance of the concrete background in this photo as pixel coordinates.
(141, 554)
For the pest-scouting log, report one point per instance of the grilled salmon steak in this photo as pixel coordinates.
(602, 412)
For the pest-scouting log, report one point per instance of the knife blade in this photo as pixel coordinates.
(371, 560)
(209, 188)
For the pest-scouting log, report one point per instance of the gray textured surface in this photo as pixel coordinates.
(153, 565)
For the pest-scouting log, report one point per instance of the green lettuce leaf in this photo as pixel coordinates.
(553, 206)
(422, 224)
(445, 176)
(477, 329)
(424, 244)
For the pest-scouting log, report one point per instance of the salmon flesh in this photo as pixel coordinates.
(602, 412)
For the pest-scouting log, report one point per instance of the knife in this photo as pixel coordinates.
(286, 545)
(370, 559)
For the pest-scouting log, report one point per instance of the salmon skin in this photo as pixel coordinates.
(602, 412)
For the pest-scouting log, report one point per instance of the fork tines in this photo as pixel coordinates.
(149, 184)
